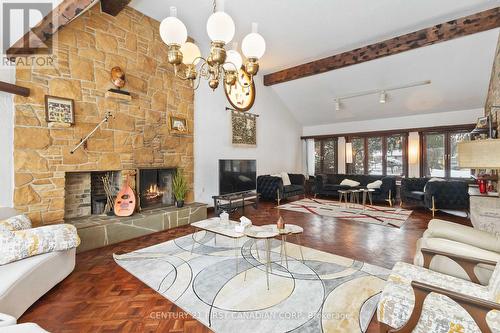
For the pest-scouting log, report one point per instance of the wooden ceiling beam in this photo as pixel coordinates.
(486, 20)
(60, 16)
(113, 7)
(14, 89)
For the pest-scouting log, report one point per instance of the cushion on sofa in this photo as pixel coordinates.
(286, 179)
(18, 222)
(330, 187)
(374, 185)
(350, 183)
(292, 188)
(416, 195)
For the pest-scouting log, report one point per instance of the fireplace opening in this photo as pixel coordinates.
(155, 187)
(85, 193)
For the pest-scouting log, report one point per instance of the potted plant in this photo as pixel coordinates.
(180, 188)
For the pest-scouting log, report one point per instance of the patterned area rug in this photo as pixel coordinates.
(388, 216)
(326, 293)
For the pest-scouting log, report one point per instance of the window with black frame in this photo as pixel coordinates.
(325, 156)
(440, 154)
(379, 155)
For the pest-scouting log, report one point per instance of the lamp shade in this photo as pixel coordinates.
(348, 152)
(173, 31)
(220, 27)
(413, 150)
(253, 45)
(233, 57)
(190, 53)
(479, 154)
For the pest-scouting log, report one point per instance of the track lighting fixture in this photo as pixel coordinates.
(337, 105)
(383, 97)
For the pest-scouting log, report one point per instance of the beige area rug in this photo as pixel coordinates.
(325, 293)
(387, 216)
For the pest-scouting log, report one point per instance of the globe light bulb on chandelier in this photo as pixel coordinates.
(219, 64)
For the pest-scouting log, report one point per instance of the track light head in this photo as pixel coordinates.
(337, 104)
(383, 97)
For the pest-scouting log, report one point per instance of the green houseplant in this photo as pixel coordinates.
(180, 188)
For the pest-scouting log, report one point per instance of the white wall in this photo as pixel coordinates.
(6, 140)
(279, 147)
(386, 124)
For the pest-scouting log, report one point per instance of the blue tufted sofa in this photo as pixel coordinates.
(449, 194)
(272, 188)
(328, 185)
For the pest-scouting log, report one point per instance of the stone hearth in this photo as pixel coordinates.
(98, 231)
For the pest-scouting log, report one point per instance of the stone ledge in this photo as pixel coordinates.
(99, 231)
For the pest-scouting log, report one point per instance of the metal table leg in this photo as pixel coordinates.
(268, 260)
(300, 246)
(283, 240)
(236, 253)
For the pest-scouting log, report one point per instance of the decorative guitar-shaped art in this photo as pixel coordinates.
(125, 201)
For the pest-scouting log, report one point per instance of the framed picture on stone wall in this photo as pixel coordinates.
(178, 125)
(59, 110)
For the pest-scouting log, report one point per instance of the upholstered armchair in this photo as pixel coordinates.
(272, 188)
(416, 299)
(449, 237)
(450, 194)
(435, 195)
(412, 191)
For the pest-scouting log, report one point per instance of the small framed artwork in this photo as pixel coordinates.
(59, 110)
(482, 122)
(178, 125)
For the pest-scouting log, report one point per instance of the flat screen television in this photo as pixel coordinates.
(237, 176)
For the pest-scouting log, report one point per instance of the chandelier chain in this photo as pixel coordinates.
(215, 6)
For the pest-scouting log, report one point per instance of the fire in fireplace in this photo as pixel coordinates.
(155, 187)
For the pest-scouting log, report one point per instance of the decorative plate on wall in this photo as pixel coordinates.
(241, 96)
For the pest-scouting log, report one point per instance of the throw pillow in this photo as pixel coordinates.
(375, 185)
(18, 222)
(286, 179)
(434, 180)
(276, 175)
(350, 183)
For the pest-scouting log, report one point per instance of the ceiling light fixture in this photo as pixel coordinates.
(383, 97)
(185, 56)
(383, 92)
(337, 105)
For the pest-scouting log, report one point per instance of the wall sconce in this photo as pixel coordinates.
(413, 151)
(348, 152)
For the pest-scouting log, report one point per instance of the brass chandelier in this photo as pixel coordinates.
(220, 64)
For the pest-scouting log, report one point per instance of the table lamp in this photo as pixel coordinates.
(479, 154)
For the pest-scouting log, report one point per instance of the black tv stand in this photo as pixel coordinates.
(232, 201)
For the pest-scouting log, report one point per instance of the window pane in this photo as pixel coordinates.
(455, 138)
(395, 155)
(375, 156)
(358, 156)
(434, 151)
(317, 157)
(329, 148)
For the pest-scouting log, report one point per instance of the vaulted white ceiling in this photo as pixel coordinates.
(297, 31)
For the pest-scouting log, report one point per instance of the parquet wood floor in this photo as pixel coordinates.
(99, 296)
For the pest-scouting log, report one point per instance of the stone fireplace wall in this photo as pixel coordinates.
(138, 135)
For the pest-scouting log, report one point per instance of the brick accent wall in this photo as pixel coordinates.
(138, 136)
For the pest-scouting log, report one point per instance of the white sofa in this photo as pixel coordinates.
(23, 282)
(449, 237)
(8, 325)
